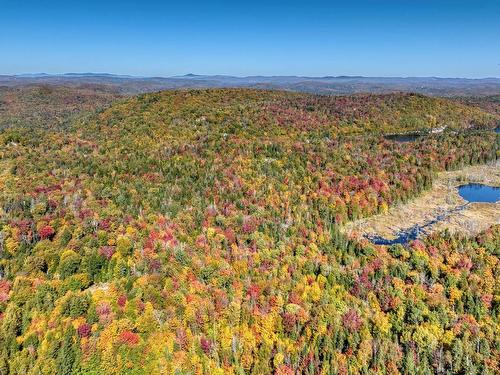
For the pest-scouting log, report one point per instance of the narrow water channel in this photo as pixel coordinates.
(415, 231)
(471, 193)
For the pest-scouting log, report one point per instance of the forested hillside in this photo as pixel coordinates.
(198, 232)
(487, 103)
(45, 106)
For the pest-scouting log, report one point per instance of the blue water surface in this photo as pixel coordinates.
(409, 137)
(479, 193)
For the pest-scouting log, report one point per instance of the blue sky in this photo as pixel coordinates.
(315, 38)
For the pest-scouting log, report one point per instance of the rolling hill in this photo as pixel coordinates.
(197, 231)
(330, 85)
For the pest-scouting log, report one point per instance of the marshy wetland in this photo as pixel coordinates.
(462, 201)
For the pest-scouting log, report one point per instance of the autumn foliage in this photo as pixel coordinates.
(199, 232)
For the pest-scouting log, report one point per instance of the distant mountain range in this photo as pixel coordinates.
(333, 85)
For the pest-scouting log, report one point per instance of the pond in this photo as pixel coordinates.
(479, 193)
(410, 137)
(470, 192)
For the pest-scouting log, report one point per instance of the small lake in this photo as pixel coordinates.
(402, 137)
(497, 129)
(479, 193)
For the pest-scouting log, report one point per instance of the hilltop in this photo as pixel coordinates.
(40, 105)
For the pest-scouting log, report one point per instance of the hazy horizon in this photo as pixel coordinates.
(184, 75)
(153, 38)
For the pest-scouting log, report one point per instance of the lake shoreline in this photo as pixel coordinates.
(440, 208)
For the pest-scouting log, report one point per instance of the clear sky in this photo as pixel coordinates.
(310, 37)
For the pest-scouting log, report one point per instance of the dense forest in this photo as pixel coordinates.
(198, 232)
(48, 106)
(487, 103)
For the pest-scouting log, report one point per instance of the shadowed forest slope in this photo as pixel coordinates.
(45, 106)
